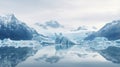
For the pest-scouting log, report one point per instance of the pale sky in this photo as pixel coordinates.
(71, 12)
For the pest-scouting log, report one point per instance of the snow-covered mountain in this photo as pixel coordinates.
(50, 24)
(56, 27)
(80, 28)
(110, 31)
(11, 27)
(49, 28)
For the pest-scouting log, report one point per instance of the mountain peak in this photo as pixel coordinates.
(8, 18)
(11, 27)
(110, 30)
(50, 24)
(53, 24)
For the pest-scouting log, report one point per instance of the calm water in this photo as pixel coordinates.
(50, 57)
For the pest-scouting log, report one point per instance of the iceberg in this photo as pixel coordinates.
(63, 42)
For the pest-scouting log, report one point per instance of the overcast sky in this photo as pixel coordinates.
(72, 12)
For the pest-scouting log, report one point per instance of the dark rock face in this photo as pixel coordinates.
(14, 29)
(112, 53)
(110, 31)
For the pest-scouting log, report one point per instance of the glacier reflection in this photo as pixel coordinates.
(99, 52)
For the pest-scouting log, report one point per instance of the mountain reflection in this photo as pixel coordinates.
(11, 56)
(112, 53)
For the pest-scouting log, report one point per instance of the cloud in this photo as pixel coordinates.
(65, 11)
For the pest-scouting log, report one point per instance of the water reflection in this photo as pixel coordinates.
(11, 56)
(52, 59)
(112, 53)
(73, 57)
